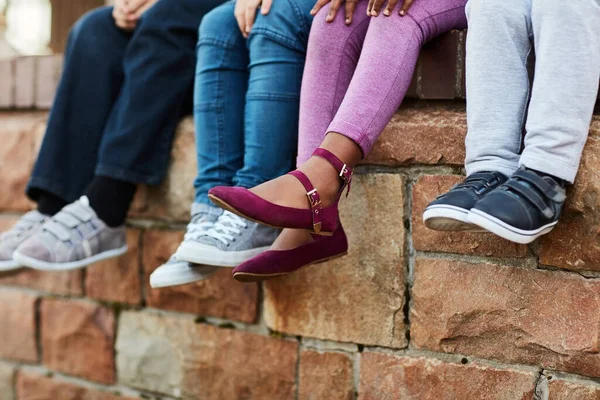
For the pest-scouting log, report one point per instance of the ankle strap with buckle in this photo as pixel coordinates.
(345, 173)
(313, 198)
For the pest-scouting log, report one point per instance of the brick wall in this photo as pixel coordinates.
(408, 314)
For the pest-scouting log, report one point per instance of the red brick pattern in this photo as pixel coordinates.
(408, 314)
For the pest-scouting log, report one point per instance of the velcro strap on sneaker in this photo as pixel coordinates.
(67, 219)
(314, 198)
(532, 196)
(79, 211)
(57, 230)
(541, 184)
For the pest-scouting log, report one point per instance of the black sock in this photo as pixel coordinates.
(50, 204)
(110, 198)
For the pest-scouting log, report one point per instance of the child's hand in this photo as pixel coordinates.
(375, 6)
(245, 13)
(126, 13)
(335, 6)
(120, 16)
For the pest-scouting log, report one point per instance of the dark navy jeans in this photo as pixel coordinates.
(247, 95)
(120, 98)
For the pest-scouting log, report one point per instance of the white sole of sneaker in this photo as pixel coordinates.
(186, 276)
(505, 231)
(9, 265)
(209, 255)
(48, 266)
(448, 218)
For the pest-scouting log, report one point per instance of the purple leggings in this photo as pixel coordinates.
(356, 76)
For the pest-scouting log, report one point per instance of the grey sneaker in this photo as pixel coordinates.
(73, 238)
(25, 227)
(178, 272)
(230, 242)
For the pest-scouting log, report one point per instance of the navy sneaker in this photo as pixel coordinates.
(449, 212)
(522, 209)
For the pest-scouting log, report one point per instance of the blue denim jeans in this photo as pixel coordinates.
(247, 95)
(120, 98)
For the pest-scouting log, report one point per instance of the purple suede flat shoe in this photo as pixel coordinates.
(318, 220)
(274, 263)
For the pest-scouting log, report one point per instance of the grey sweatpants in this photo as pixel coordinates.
(566, 37)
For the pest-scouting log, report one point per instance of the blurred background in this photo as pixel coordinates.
(39, 27)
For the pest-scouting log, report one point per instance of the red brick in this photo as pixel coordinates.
(171, 200)
(25, 82)
(357, 298)
(118, 280)
(426, 189)
(325, 376)
(575, 243)
(77, 339)
(17, 330)
(218, 296)
(37, 387)
(432, 135)
(48, 73)
(177, 357)
(385, 376)
(439, 67)
(563, 389)
(517, 315)
(7, 89)
(18, 135)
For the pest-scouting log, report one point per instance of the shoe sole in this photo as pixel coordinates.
(505, 231)
(224, 205)
(9, 265)
(449, 219)
(250, 277)
(208, 255)
(47, 266)
(157, 281)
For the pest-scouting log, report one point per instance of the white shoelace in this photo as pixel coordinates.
(226, 227)
(197, 230)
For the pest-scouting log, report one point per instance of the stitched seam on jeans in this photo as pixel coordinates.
(217, 42)
(333, 112)
(291, 42)
(273, 96)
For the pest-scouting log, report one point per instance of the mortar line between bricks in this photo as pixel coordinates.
(525, 262)
(356, 360)
(142, 269)
(541, 389)
(297, 377)
(116, 388)
(38, 329)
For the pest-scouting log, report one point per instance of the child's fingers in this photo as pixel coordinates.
(240, 17)
(350, 7)
(376, 7)
(390, 7)
(266, 7)
(407, 4)
(335, 6)
(250, 18)
(369, 6)
(320, 4)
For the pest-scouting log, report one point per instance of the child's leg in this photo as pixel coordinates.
(498, 45)
(277, 47)
(220, 89)
(333, 52)
(567, 43)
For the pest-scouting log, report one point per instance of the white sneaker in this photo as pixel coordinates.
(178, 272)
(230, 242)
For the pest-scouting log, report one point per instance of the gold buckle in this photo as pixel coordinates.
(313, 202)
